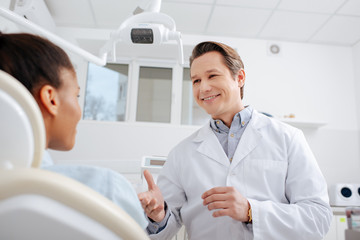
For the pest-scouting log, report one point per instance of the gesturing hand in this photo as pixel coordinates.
(152, 201)
(229, 202)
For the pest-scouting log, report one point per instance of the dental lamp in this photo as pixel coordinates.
(147, 27)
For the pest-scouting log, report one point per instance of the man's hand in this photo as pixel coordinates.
(152, 201)
(229, 202)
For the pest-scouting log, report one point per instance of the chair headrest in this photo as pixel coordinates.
(22, 138)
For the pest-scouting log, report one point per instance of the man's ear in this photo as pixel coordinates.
(241, 77)
(49, 99)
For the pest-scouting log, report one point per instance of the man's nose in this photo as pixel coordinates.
(205, 86)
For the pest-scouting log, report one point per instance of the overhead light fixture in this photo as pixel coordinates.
(149, 26)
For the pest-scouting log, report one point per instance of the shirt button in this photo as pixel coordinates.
(242, 123)
(230, 159)
(232, 135)
(217, 122)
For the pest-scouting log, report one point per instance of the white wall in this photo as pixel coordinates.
(315, 82)
(356, 54)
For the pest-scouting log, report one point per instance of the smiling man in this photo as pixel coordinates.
(241, 176)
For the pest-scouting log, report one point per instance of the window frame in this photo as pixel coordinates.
(133, 84)
(176, 87)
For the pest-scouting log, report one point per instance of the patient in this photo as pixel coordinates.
(46, 71)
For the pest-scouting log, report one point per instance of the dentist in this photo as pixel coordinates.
(241, 176)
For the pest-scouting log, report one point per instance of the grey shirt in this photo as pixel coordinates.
(229, 137)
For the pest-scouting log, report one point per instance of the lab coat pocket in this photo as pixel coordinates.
(265, 178)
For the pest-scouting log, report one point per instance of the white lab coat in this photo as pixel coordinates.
(273, 167)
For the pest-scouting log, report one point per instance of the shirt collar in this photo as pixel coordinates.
(240, 120)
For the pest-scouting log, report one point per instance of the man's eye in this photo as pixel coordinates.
(196, 81)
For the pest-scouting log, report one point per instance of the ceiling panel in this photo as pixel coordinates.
(320, 21)
(235, 21)
(339, 30)
(68, 13)
(250, 3)
(5, 3)
(189, 18)
(190, 1)
(113, 13)
(318, 6)
(293, 25)
(352, 7)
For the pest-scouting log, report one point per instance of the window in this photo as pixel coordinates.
(191, 113)
(106, 92)
(154, 95)
(107, 88)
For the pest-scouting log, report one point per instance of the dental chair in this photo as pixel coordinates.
(39, 204)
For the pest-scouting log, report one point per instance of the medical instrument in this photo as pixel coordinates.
(148, 26)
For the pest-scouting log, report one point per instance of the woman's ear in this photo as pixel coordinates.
(49, 99)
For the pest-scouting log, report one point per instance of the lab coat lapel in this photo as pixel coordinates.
(250, 138)
(210, 146)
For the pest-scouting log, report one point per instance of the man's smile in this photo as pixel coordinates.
(210, 97)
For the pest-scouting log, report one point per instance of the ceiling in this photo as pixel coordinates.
(314, 21)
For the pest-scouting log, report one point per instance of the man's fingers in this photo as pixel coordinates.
(217, 205)
(215, 198)
(222, 212)
(215, 190)
(149, 180)
(141, 196)
(144, 200)
(151, 204)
